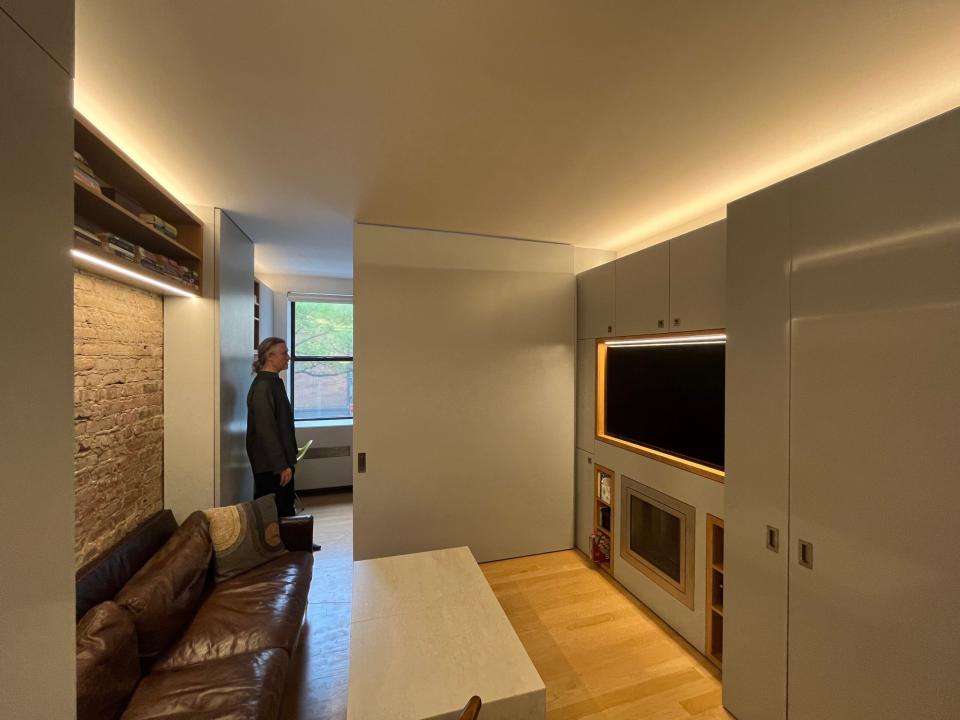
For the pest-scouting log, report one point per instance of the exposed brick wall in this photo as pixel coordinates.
(118, 411)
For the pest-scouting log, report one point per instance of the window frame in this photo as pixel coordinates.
(330, 300)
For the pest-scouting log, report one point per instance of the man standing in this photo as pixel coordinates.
(271, 440)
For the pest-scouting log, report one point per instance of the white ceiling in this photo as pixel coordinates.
(602, 123)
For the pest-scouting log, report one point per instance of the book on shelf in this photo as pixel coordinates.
(89, 181)
(160, 224)
(87, 236)
(113, 239)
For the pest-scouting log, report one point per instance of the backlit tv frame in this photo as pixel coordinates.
(600, 414)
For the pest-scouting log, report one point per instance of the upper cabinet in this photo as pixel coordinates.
(595, 302)
(642, 291)
(49, 23)
(698, 279)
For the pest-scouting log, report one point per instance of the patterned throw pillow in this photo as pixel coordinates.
(244, 536)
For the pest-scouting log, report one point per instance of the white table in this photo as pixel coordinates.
(427, 633)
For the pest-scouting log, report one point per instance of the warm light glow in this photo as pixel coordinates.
(715, 339)
(94, 260)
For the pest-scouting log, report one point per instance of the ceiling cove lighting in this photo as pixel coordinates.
(715, 339)
(93, 260)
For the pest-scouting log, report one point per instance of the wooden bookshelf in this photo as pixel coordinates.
(714, 586)
(604, 513)
(128, 190)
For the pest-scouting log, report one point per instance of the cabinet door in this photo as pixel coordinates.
(586, 394)
(698, 278)
(757, 456)
(875, 440)
(584, 500)
(642, 291)
(49, 22)
(595, 311)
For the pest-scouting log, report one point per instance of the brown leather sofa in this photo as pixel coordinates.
(219, 651)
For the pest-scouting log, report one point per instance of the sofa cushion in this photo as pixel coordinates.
(262, 608)
(165, 593)
(244, 536)
(108, 668)
(243, 687)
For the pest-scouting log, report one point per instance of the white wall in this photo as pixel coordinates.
(208, 348)
(235, 330)
(190, 357)
(37, 623)
(464, 374)
(318, 473)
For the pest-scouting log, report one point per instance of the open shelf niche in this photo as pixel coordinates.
(714, 585)
(603, 517)
(127, 226)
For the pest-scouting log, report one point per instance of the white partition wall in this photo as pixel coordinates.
(37, 613)
(464, 393)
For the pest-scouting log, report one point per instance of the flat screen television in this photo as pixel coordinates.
(667, 397)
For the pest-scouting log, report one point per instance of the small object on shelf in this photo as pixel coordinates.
(606, 488)
(600, 548)
(87, 236)
(158, 223)
(88, 181)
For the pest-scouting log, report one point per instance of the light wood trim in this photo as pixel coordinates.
(136, 267)
(712, 611)
(598, 503)
(471, 710)
(601, 430)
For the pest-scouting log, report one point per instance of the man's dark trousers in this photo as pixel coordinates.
(268, 482)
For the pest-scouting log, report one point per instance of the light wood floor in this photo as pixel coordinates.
(600, 653)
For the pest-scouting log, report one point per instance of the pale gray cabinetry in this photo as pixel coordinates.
(37, 621)
(49, 23)
(595, 302)
(586, 394)
(875, 439)
(643, 291)
(757, 455)
(698, 279)
(584, 500)
(843, 435)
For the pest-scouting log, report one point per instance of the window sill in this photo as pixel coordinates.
(337, 422)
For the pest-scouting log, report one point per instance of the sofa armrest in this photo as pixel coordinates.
(297, 532)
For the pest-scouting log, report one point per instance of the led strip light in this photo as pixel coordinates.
(714, 339)
(94, 260)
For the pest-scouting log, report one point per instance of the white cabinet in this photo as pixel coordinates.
(845, 432)
(698, 279)
(584, 500)
(49, 22)
(595, 302)
(643, 290)
(586, 394)
(756, 489)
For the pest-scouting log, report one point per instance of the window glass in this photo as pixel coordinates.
(321, 365)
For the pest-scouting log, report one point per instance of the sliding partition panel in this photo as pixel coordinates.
(464, 403)
(875, 437)
(757, 455)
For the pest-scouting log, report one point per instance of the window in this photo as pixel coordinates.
(321, 359)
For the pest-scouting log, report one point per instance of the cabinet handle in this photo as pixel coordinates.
(773, 539)
(609, 328)
(361, 462)
(806, 554)
(676, 322)
(659, 323)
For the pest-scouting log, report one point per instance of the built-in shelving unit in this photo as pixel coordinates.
(603, 517)
(113, 201)
(714, 585)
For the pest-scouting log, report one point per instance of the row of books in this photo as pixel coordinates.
(85, 175)
(116, 245)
